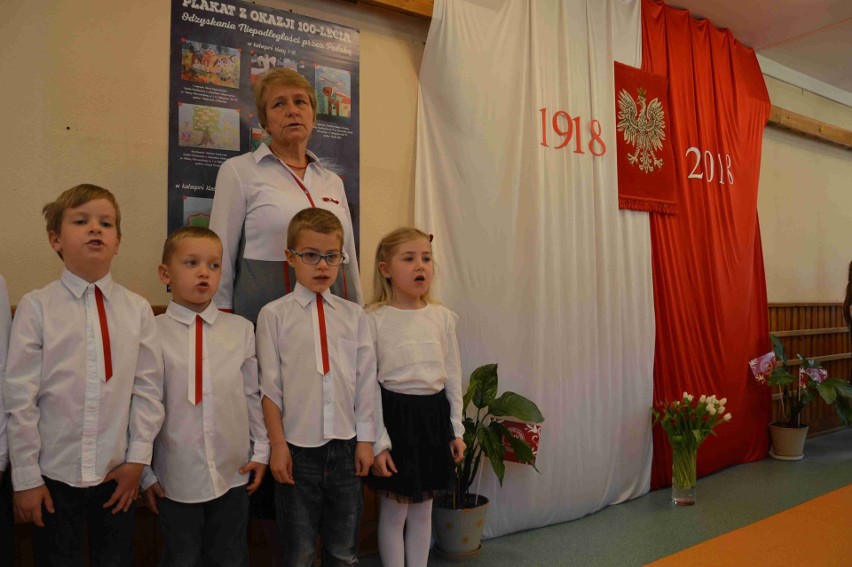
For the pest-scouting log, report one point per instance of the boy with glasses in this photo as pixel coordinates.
(318, 380)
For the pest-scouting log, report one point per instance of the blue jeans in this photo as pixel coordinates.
(326, 501)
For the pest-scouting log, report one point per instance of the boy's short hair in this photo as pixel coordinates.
(76, 197)
(316, 219)
(186, 232)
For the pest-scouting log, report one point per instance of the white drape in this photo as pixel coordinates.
(549, 278)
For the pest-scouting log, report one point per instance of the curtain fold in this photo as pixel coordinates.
(549, 278)
(709, 284)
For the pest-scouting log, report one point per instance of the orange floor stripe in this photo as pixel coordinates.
(815, 533)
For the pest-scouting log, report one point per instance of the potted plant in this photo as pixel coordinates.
(788, 435)
(459, 515)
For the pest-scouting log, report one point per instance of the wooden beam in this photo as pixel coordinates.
(419, 8)
(787, 120)
(820, 359)
(808, 332)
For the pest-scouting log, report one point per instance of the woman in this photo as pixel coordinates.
(259, 192)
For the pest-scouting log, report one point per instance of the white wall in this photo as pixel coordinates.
(805, 203)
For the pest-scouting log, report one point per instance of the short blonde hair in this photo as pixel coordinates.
(276, 77)
(316, 219)
(382, 288)
(75, 197)
(182, 233)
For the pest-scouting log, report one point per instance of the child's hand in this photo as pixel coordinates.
(259, 470)
(281, 464)
(151, 495)
(457, 448)
(28, 503)
(363, 458)
(127, 478)
(383, 465)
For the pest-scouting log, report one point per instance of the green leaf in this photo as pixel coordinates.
(483, 380)
(842, 387)
(778, 348)
(469, 432)
(827, 392)
(492, 446)
(468, 395)
(844, 411)
(515, 405)
(522, 449)
(780, 377)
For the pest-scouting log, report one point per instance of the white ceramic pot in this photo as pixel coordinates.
(458, 532)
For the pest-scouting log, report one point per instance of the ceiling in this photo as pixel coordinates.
(804, 42)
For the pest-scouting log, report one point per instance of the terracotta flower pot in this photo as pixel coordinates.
(788, 443)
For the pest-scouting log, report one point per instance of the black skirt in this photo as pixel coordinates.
(420, 431)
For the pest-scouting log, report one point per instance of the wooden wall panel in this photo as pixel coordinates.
(814, 330)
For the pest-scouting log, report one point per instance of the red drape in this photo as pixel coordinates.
(709, 284)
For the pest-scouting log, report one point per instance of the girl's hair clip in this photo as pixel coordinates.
(431, 236)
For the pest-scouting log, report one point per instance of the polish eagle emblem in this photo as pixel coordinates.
(644, 126)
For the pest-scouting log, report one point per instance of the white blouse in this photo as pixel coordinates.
(417, 353)
(256, 196)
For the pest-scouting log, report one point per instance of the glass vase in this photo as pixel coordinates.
(684, 473)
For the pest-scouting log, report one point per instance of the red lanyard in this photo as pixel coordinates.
(300, 184)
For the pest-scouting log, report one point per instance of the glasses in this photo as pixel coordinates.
(313, 258)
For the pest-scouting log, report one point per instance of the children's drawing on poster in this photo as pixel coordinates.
(218, 50)
(196, 211)
(263, 62)
(209, 127)
(333, 87)
(207, 63)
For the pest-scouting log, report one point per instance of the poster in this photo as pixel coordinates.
(218, 49)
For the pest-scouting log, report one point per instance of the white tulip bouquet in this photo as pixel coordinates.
(687, 423)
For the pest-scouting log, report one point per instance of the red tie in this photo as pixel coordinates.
(199, 330)
(323, 336)
(99, 299)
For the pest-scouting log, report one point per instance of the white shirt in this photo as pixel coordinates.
(256, 191)
(316, 408)
(65, 422)
(418, 354)
(200, 449)
(5, 323)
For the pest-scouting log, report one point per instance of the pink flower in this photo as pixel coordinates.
(818, 375)
(762, 366)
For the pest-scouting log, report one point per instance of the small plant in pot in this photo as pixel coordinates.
(788, 435)
(487, 438)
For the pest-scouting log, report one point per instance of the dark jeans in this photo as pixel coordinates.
(205, 534)
(60, 542)
(7, 522)
(326, 501)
